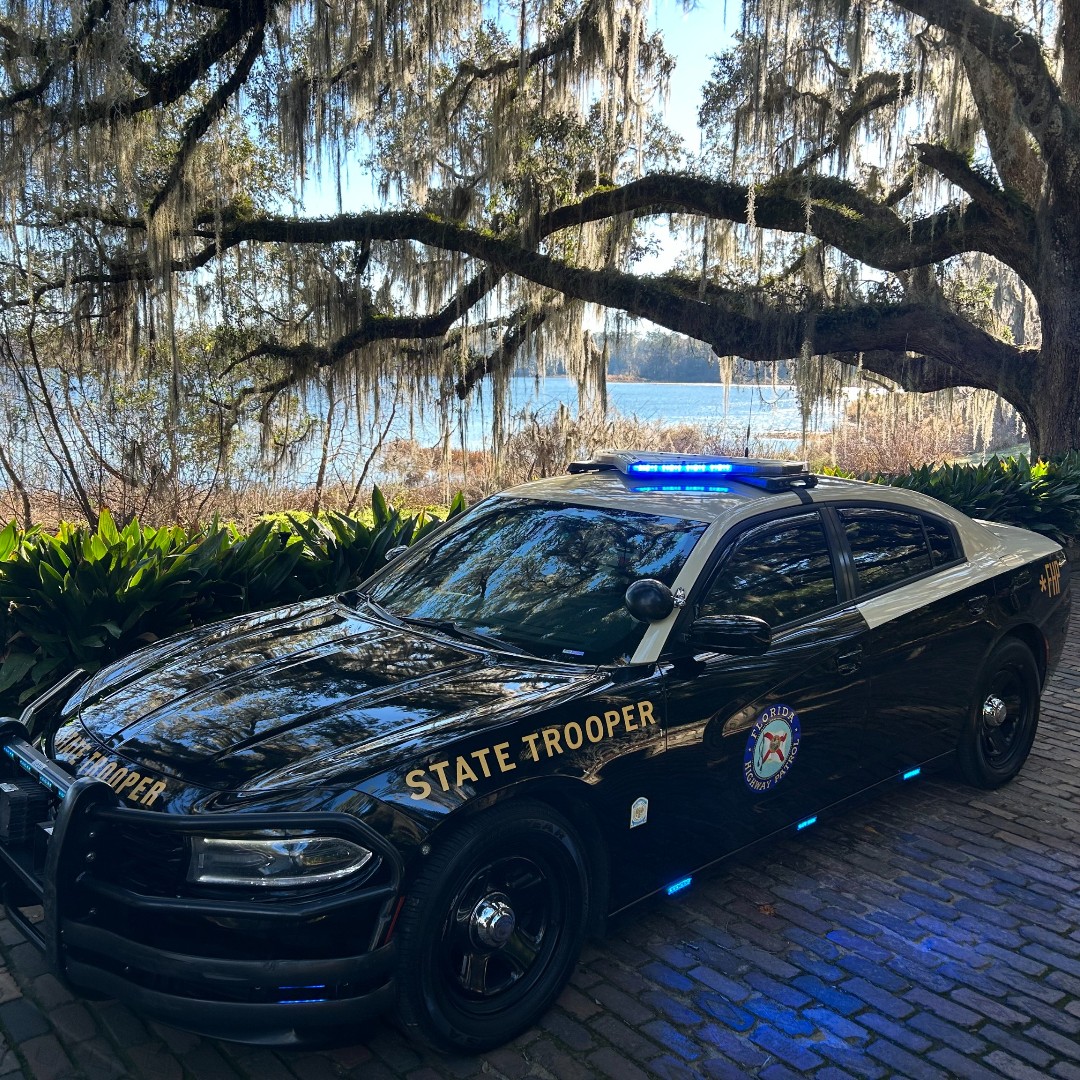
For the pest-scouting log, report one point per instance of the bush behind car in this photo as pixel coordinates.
(84, 597)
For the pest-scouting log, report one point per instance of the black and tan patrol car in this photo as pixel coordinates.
(422, 795)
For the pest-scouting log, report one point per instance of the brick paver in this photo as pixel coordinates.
(934, 932)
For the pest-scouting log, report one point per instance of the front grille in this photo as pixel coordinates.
(139, 857)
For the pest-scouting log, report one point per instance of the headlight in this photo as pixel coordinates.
(283, 861)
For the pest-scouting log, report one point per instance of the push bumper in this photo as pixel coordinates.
(278, 969)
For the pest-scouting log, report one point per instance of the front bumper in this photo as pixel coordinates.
(118, 918)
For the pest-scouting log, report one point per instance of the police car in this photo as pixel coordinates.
(423, 794)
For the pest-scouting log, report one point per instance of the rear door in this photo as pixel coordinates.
(929, 624)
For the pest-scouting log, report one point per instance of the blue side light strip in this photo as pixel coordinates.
(302, 1000)
(678, 886)
(806, 824)
(911, 774)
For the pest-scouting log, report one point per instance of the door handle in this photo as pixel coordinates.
(977, 604)
(848, 662)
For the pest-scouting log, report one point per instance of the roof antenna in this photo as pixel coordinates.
(749, 418)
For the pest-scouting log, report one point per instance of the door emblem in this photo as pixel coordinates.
(771, 748)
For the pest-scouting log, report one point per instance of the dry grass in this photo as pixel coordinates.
(878, 436)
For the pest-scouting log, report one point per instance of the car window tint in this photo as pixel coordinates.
(546, 576)
(942, 544)
(779, 572)
(888, 547)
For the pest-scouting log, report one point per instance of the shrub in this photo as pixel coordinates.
(81, 598)
(1044, 496)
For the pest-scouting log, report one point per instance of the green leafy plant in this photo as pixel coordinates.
(81, 598)
(1043, 496)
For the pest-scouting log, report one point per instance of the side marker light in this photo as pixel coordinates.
(911, 774)
(678, 886)
(806, 824)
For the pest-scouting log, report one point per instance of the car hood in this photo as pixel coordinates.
(242, 703)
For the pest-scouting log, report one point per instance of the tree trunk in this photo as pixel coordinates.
(1053, 411)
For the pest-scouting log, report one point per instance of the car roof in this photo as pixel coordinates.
(724, 500)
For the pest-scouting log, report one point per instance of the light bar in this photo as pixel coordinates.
(649, 463)
(682, 468)
(678, 886)
(43, 771)
(911, 774)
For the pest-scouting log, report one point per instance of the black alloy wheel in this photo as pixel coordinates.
(492, 928)
(1004, 717)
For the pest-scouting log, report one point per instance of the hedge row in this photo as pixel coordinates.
(1043, 496)
(82, 598)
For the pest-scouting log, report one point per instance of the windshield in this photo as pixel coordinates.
(542, 576)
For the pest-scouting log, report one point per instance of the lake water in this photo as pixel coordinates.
(772, 413)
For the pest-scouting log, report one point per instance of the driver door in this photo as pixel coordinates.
(756, 744)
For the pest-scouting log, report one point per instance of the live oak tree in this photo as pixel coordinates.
(894, 184)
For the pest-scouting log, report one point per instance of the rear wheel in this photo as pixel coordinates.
(1003, 718)
(492, 928)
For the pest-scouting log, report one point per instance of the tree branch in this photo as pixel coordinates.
(1018, 55)
(200, 123)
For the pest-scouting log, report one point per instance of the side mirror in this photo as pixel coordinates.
(649, 600)
(744, 635)
(396, 552)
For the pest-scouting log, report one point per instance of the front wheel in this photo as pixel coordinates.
(1003, 718)
(492, 928)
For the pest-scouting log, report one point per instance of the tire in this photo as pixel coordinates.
(1003, 718)
(462, 984)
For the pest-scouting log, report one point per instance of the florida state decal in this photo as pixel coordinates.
(771, 748)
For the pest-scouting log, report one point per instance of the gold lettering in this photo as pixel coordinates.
(151, 796)
(140, 789)
(464, 772)
(505, 764)
(531, 740)
(130, 780)
(108, 770)
(646, 713)
(551, 741)
(482, 756)
(415, 779)
(117, 777)
(628, 717)
(594, 728)
(439, 768)
(573, 735)
(613, 719)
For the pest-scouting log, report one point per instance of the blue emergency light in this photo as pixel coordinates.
(769, 473)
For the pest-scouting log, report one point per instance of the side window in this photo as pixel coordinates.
(888, 547)
(942, 544)
(780, 572)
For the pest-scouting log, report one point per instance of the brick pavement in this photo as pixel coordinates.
(932, 933)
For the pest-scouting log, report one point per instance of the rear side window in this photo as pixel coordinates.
(779, 572)
(942, 544)
(889, 547)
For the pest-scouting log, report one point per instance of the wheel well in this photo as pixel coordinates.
(573, 806)
(1036, 643)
